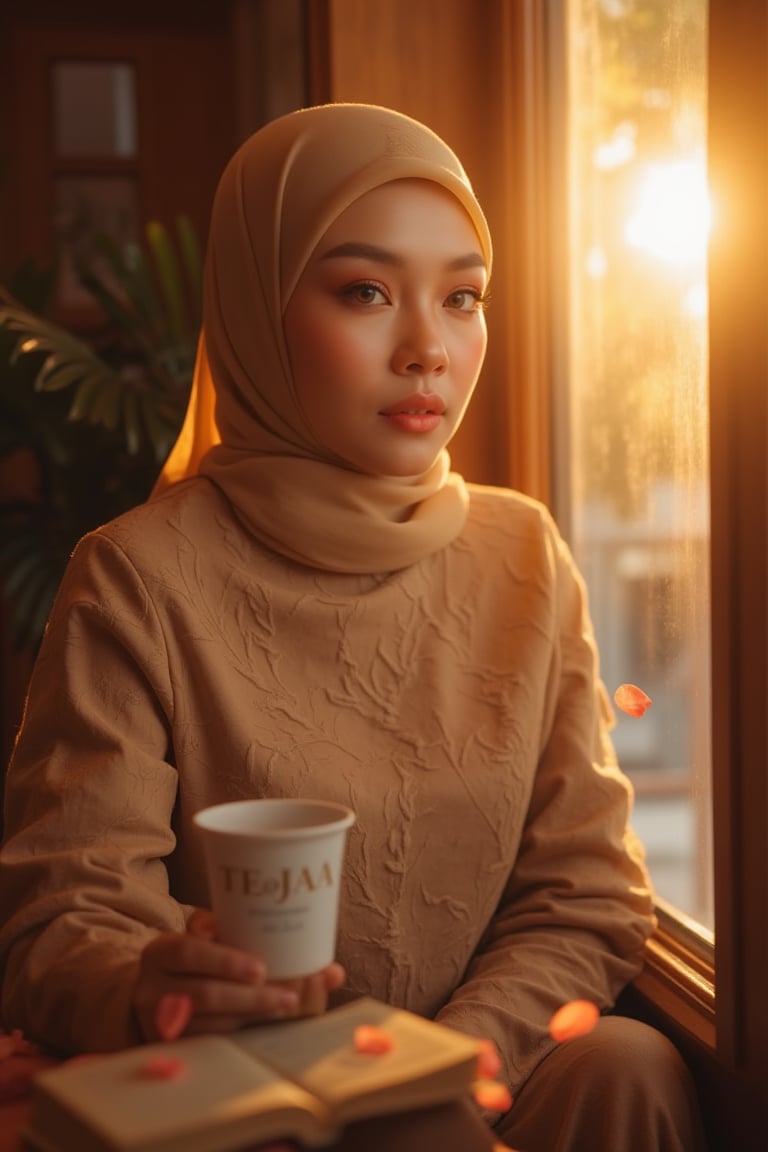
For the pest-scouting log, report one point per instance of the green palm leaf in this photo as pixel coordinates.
(66, 358)
(169, 277)
(97, 418)
(192, 261)
(101, 390)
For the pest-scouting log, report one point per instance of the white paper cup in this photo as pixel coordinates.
(274, 870)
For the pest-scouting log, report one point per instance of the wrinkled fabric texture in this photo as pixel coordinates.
(454, 705)
(244, 427)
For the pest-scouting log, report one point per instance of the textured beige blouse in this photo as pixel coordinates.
(490, 875)
(274, 623)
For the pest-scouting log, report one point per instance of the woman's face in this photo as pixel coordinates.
(386, 331)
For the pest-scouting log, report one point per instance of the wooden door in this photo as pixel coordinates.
(128, 107)
(132, 105)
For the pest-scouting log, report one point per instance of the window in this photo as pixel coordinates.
(94, 109)
(636, 452)
(95, 160)
(731, 1032)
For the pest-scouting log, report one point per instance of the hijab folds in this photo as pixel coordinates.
(244, 428)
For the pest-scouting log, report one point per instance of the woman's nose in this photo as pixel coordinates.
(420, 349)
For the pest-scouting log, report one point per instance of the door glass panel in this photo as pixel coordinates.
(94, 109)
(85, 206)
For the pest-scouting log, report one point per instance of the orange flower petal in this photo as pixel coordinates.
(576, 1018)
(172, 1015)
(372, 1041)
(488, 1061)
(163, 1068)
(492, 1095)
(632, 700)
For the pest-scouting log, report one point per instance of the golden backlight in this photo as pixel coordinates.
(636, 380)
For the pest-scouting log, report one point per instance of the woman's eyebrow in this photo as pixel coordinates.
(384, 256)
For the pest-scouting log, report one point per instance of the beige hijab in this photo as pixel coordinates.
(244, 428)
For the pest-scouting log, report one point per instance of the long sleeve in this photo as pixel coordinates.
(454, 705)
(577, 907)
(89, 801)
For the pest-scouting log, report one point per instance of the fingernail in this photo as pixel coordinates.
(255, 970)
(203, 931)
(172, 1015)
(287, 1000)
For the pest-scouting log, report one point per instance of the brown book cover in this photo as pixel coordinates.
(302, 1079)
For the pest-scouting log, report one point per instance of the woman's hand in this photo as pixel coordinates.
(227, 988)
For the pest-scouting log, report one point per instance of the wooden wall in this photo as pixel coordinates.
(459, 67)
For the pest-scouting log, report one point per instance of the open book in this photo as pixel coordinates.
(302, 1079)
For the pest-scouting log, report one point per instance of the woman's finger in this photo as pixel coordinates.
(334, 976)
(227, 997)
(184, 954)
(210, 1006)
(313, 990)
(202, 923)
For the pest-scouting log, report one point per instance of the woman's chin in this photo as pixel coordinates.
(401, 465)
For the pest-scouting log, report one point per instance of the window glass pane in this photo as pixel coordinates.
(94, 109)
(637, 378)
(84, 208)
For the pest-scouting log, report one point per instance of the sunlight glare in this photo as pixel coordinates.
(672, 213)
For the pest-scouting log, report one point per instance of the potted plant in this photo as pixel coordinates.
(91, 420)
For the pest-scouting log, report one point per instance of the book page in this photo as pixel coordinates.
(428, 1063)
(223, 1100)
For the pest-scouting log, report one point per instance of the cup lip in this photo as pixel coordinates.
(345, 817)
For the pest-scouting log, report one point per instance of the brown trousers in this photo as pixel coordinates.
(622, 1088)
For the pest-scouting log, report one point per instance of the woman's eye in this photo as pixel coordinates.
(465, 300)
(365, 293)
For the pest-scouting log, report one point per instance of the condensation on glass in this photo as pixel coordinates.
(636, 357)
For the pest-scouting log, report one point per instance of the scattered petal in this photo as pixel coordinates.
(488, 1061)
(163, 1068)
(173, 1013)
(372, 1041)
(576, 1018)
(492, 1096)
(632, 700)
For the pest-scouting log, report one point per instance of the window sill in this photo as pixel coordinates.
(679, 975)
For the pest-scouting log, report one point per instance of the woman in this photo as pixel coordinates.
(314, 604)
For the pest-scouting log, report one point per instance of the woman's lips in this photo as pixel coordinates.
(420, 412)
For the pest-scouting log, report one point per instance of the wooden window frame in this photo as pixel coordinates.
(738, 152)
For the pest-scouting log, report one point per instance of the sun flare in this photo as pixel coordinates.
(671, 215)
